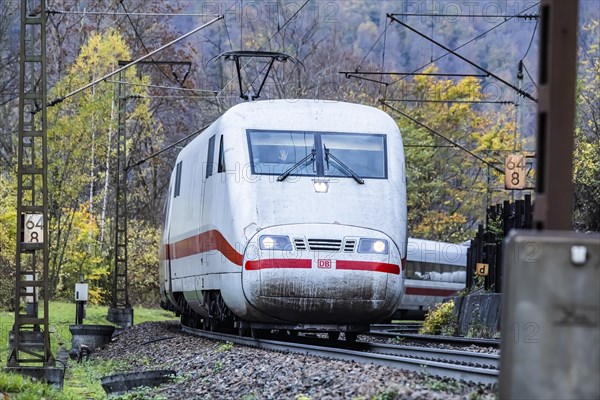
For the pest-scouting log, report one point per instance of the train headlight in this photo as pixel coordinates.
(378, 246)
(275, 242)
(320, 185)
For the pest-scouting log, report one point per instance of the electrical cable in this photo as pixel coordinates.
(373, 45)
(443, 137)
(143, 160)
(116, 14)
(519, 15)
(467, 42)
(531, 41)
(383, 62)
(263, 46)
(143, 45)
(98, 80)
(227, 31)
(498, 78)
(529, 75)
(163, 87)
(506, 102)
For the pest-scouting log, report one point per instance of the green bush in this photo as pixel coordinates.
(439, 320)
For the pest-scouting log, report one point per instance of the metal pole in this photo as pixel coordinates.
(556, 115)
(31, 339)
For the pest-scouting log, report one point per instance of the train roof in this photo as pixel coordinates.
(328, 114)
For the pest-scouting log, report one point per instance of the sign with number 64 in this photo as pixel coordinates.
(33, 228)
(514, 172)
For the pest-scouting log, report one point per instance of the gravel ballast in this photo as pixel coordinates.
(209, 369)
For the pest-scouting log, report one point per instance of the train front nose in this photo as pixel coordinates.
(298, 273)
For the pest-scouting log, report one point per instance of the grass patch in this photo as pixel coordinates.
(62, 314)
(81, 380)
(19, 387)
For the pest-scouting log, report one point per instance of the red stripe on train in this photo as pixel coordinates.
(203, 242)
(420, 291)
(368, 266)
(277, 263)
(340, 264)
(214, 240)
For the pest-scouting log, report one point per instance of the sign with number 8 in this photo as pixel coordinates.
(514, 172)
(34, 228)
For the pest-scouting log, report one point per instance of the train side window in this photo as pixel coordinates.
(221, 167)
(177, 180)
(210, 158)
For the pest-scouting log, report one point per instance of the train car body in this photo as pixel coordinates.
(263, 224)
(434, 271)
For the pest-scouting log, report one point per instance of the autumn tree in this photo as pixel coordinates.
(81, 139)
(586, 163)
(447, 187)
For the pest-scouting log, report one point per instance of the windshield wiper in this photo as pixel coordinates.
(343, 166)
(309, 158)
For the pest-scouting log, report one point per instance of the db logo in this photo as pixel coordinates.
(324, 263)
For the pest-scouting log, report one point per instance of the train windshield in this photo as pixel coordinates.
(275, 152)
(362, 154)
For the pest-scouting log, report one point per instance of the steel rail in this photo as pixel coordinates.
(457, 340)
(422, 365)
(402, 326)
(483, 360)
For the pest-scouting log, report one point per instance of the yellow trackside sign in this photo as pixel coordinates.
(481, 269)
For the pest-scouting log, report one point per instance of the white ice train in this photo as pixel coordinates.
(287, 215)
(434, 270)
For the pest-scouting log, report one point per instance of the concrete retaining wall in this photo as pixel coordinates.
(478, 314)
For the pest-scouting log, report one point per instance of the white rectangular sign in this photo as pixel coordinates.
(33, 228)
(514, 172)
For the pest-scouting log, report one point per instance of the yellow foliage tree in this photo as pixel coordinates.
(81, 137)
(447, 188)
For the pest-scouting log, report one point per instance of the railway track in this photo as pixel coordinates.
(403, 327)
(453, 340)
(460, 365)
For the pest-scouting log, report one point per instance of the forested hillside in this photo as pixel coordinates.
(448, 188)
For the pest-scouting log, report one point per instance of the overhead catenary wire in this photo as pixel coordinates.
(163, 87)
(143, 160)
(373, 46)
(137, 34)
(530, 77)
(520, 15)
(413, 74)
(279, 28)
(118, 14)
(507, 102)
(118, 70)
(498, 78)
(531, 40)
(469, 41)
(443, 137)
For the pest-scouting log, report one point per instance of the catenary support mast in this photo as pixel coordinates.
(31, 341)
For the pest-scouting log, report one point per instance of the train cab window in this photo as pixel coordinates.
(365, 155)
(333, 154)
(177, 180)
(274, 152)
(210, 158)
(221, 167)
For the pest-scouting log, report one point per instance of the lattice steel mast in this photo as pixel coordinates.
(121, 311)
(31, 339)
